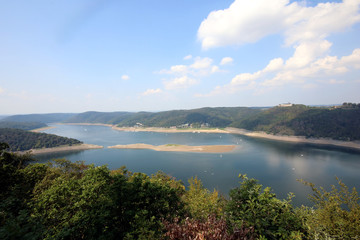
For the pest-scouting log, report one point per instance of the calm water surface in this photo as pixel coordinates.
(275, 164)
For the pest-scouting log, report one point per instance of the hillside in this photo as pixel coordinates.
(43, 118)
(22, 125)
(213, 117)
(21, 140)
(341, 123)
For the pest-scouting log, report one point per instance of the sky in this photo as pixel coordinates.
(141, 55)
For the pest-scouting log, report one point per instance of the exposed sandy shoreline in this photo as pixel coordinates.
(169, 130)
(296, 139)
(63, 149)
(41, 129)
(179, 148)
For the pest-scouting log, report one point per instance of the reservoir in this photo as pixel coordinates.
(275, 164)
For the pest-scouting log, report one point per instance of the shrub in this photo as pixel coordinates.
(272, 218)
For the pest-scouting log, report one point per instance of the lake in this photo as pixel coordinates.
(275, 164)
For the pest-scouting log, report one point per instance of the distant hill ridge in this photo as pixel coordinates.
(338, 122)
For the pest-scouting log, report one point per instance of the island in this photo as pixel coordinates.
(179, 148)
(78, 147)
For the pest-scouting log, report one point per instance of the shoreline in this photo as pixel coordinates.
(179, 148)
(230, 130)
(78, 147)
(296, 139)
(41, 129)
(169, 130)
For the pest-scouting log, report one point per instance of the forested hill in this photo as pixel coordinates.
(341, 123)
(21, 140)
(212, 117)
(43, 118)
(22, 125)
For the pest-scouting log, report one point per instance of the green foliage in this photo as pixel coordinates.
(21, 140)
(22, 125)
(202, 203)
(72, 207)
(42, 118)
(336, 214)
(272, 218)
(67, 200)
(215, 117)
(16, 183)
(337, 123)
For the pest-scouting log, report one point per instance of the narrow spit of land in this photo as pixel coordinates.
(78, 147)
(179, 148)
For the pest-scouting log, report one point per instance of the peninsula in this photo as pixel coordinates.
(179, 148)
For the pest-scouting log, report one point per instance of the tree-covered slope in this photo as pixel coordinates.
(44, 118)
(342, 123)
(22, 125)
(21, 140)
(214, 117)
(99, 117)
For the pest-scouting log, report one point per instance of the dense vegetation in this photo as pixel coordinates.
(22, 125)
(44, 118)
(214, 117)
(340, 123)
(21, 140)
(65, 200)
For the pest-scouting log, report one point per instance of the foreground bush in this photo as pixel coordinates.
(65, 200)
(336, 214)
(251, 206)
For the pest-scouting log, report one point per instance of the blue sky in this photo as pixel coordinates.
(140, 55)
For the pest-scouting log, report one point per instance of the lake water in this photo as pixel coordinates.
(275, 164)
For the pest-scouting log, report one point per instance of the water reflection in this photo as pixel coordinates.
(274, 164)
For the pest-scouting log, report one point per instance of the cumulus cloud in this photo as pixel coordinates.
(201, 63)
(180, 82)
(303, 28)
(152, 92)
(249, 21)
(1, 90)
(125, 77)
(226, 60)
(184, 76)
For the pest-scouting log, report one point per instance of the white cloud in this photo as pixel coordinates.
(152, 92)
(125, 77)
(180, 82)
(188, 57)
(244, 22)
(249, 21)
(244, 78)
(303, 28)
(226, 60)
(307, 52)
(1, 90)
(274, 65)
(352, 60)
(183, 76)
(201, 63)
